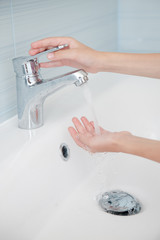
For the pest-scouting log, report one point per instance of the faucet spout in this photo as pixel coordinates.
(77, 77)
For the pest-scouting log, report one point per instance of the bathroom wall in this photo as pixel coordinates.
(21, 22)
(107, 25)
(139, 26)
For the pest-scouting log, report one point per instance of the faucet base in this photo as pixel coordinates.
(33, 117)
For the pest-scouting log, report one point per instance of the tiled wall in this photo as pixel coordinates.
(139, 26)
(107, 25)
(21, 22)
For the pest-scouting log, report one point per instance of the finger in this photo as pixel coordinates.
(51, 64)
(92, 123)
(69, 54)
(52, 41)
(101, 129)
(59, 59)
(75, 136)
(35, 51)
(78, 125)
(89, 127)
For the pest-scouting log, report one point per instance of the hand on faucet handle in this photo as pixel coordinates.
(76, 55)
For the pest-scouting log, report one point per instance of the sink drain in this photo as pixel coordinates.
(119, 203)
(64, 151)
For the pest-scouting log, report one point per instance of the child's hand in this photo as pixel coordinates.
(85, 137)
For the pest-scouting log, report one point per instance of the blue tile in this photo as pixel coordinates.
(106, 25)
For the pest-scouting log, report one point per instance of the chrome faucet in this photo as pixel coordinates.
(32, 89)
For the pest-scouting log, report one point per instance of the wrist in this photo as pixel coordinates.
(106, 62)
(100, 61)
(97, 61)
(123, 142)
(139, 146)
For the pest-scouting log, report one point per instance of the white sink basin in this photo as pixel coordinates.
(45, 197)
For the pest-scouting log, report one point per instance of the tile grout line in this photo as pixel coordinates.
(13, 28)
(118, 25)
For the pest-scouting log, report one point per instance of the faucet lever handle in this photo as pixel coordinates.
(31, 66)
(48, 51)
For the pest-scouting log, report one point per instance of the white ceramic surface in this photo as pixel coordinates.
(44, 197)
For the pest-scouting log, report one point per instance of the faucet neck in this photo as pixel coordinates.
(30, 97)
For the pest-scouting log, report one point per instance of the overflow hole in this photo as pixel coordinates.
(64, 151)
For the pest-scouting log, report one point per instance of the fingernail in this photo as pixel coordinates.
(50, 55)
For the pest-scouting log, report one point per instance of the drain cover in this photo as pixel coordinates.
(119, 203)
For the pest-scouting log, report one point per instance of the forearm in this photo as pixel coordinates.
(147, 65)
(142, 147)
